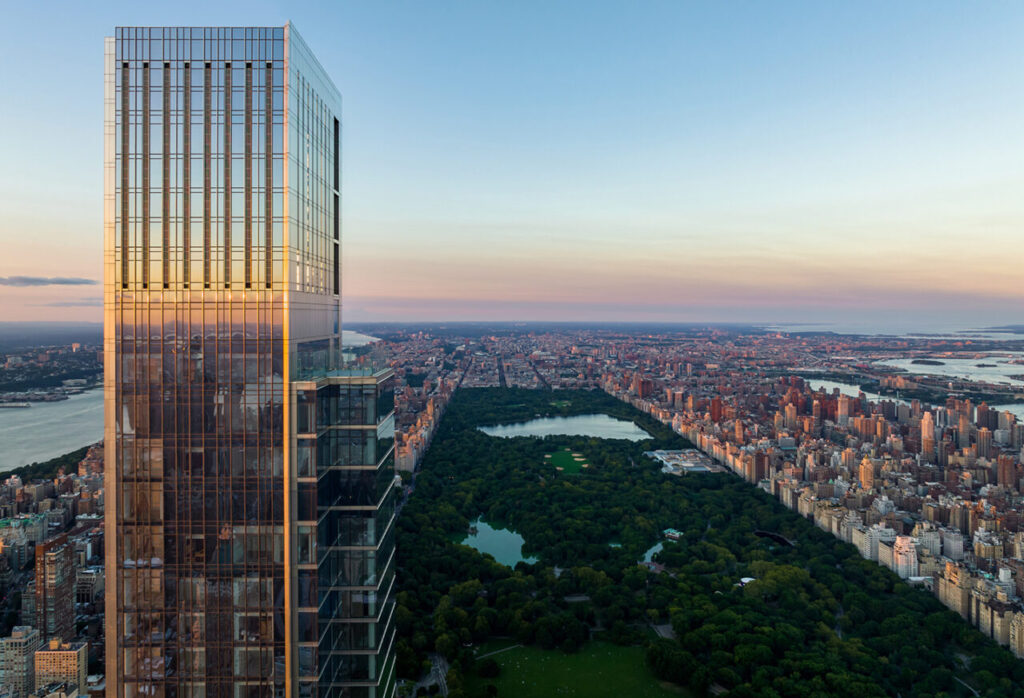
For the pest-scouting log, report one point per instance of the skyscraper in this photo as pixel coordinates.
(250, 486)
(843, 411)
(55, 588)
(984, 443)
(927, 438)
(867, 473)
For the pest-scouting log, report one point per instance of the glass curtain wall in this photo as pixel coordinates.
(222, 283)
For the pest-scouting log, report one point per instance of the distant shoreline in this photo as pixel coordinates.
(41, 470)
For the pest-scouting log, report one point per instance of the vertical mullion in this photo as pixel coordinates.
(268, 178)
(227, 175)
(207, 157)
(125, 170)
(145, 175)
(336, 209)
(166, 184)
(248, 175)
(186, 175)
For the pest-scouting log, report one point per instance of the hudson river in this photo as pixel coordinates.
(49, 429)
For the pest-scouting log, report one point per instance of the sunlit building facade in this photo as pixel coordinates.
(250, 489)
(54, 588)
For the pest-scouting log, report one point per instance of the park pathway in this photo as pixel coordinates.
(490, 654)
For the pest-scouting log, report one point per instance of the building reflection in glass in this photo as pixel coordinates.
(250, 494)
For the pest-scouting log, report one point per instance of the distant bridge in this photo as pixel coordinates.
(777, 537)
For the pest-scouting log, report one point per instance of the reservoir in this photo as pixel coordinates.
(506, 546)
(50, 429)
(599, 425)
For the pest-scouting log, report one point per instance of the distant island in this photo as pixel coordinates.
(1008, 329)
(928, 362)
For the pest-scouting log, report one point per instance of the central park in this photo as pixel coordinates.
(577, 615)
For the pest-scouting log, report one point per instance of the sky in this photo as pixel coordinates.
(668, 161)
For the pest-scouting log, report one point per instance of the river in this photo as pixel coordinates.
(900, 328)
(982, 368)
(851, 390)
(848, 389)
(49, 429)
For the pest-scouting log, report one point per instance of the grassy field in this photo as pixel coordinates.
(565, 460)
(599, 670)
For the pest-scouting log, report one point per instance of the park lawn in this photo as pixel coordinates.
(599, 670)
(565, 460)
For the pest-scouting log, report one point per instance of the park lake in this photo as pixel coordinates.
(652, 551)
(599, 425)
(506, 546)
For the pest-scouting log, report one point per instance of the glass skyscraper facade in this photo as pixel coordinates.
(249, 480)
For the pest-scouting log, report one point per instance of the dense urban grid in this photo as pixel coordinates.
(926, 482)
(51, 571)
(920, 471)
(48, 373)
(214, 483)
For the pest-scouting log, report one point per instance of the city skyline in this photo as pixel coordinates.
(793, 163)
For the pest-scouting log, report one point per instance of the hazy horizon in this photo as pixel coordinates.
(792, 162)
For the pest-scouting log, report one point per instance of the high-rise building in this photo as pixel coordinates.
(963, 433)
(981, 418)
(953, 588)
(55, 588)
(250, 485)
(17, 660)
(874, 536)
(1006, 471)
(984, 442)
(904, 557)
(59, 662)
(843, 411)
(952, 544)
(716, 409)
(790, 416)
(867, 473)
(927, 438)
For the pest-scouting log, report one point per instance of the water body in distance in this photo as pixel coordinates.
(350, 338)
(900, 329)
(995, 369)
(1017, 409)
(506, 546)
(848, 389)
(49, 429)
(851, 390)
(599, 425)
